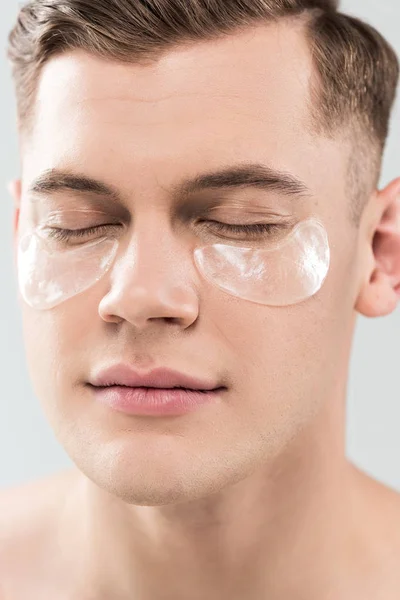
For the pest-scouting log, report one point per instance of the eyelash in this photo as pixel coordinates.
(255, 229)
(64, 235)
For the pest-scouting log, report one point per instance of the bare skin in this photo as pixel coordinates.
(353, 551)
(252, 498)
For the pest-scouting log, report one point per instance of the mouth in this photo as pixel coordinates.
(148, 387)
(123, 375)
(161, 392)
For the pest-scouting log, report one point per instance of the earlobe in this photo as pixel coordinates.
(380, 294)
(378, 298)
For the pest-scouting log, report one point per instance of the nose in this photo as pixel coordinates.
(152, 279)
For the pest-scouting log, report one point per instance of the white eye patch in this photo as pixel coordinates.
(286, 273)
(277, 274)
(47, 277)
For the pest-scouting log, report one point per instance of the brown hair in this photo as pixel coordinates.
(356, 70)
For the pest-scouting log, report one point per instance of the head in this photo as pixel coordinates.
(120, 105)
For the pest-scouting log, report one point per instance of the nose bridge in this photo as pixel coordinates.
(154, 257)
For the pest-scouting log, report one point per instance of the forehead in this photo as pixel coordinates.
(243, 96)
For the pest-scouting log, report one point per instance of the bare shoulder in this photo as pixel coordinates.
(382, 499)
(378, 510)
(28, 514)
(26, 506)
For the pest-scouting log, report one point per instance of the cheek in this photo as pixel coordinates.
(284, 360)
(56, 343)
(271, 346)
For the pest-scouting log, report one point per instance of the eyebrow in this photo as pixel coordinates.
(56, 181)
(243, 175)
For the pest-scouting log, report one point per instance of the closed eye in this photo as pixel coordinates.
(251, 229)
(65, 235)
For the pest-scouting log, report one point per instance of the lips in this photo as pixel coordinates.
(125, 375)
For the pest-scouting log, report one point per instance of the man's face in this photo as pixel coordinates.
(142, 130)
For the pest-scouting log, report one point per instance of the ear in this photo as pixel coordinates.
(14, 187)
(380, 292)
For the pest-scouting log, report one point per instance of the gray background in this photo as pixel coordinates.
(28, 448)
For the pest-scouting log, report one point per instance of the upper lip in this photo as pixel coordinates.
(163, 378)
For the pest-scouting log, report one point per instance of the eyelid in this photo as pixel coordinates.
(69, 219)
(244, 208)
(248, 232)
(76, 218)
(59, 234)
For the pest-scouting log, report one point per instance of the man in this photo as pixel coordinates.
(199, 194)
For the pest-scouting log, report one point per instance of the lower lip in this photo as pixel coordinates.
(153, 401)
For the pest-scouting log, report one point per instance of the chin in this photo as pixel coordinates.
(152, 482)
